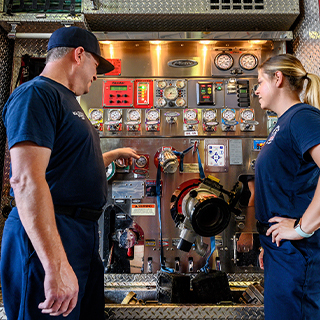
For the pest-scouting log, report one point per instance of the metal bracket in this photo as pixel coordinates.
(13, 32)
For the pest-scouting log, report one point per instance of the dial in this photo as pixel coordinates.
(152, 115)
(209, 115)
(134, 115)
(223, 61)
(96, 115)
(180, 84)
(141, 162)
(190, 114)
(115, 115)
(161, 102)
(248, 61)
(247, 114)
(228, 114)
(162, 84)
(110, 170)
(180, 102)
(171, 93)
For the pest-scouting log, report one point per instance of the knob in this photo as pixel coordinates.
(110, 101)
(118, 95)
(118, 101)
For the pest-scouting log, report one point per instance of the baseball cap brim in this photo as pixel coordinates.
(104, 66)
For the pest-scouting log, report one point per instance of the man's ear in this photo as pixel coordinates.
(78, 53)
(279, 78)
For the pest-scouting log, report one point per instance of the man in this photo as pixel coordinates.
(50, 264)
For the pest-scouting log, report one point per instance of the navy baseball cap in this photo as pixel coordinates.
(74, 37)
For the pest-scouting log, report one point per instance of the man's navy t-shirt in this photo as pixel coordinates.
(48, 114)
(285, 175)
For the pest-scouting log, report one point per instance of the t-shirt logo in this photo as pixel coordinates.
(273, 134)
(79, 114)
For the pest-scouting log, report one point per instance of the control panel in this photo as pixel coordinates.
(117, 93)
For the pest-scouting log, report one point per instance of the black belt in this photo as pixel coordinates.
(262, 227)
(77, 212)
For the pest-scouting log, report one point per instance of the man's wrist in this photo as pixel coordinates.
(300, 231)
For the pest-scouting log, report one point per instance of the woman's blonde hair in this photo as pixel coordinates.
(294, 71)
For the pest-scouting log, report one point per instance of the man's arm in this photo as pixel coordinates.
(126, 154)
(35, 207)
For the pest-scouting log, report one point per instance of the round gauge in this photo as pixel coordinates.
(190, 115)
(180, 84)
(248, 61)
(171, 93)
(247, 114)
(141, 162)
(114, 115)
(223, 61)
(180, 102)
(110, 170)
(162, 84)
(161, 102)
(152, 115)
(209, 115)
(96, 115)
(228, 114)
(134, 115)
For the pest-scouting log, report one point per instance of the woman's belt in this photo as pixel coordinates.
(77, 212)
(262, 227)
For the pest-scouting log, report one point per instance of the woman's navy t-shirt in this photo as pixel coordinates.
(285, 174)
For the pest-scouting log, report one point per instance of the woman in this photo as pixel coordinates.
(287, 191)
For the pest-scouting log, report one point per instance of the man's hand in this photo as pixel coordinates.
(282, 229)
(61, 292)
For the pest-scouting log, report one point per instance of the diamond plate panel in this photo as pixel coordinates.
(184, 312)
(44, 23)
(6, 53)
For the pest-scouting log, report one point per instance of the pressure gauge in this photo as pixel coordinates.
(180, 84)
(141, 162)
(96, 115)
(248, 61)
(115, 115)
(110, 170)
(223, 61)
(162, 84)
(152, 115)
(209, 115)
(180, 102)
(171, 93)
(247, 114)
(228, 115)
(134, 115)
(190, 114)
(161, 102)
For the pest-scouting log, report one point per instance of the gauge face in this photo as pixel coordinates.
(209, 115)
(190, 115)
(161, 102)
(180, 102)
(96, 115)
(141, 162)
(114, 115)
(248, 61)
(223, 61)
(180, 84)
(171, 93)
(110, 170)
(247, 114)
(162, 84)
(228, 114)
(152, 115)
(134, 115)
